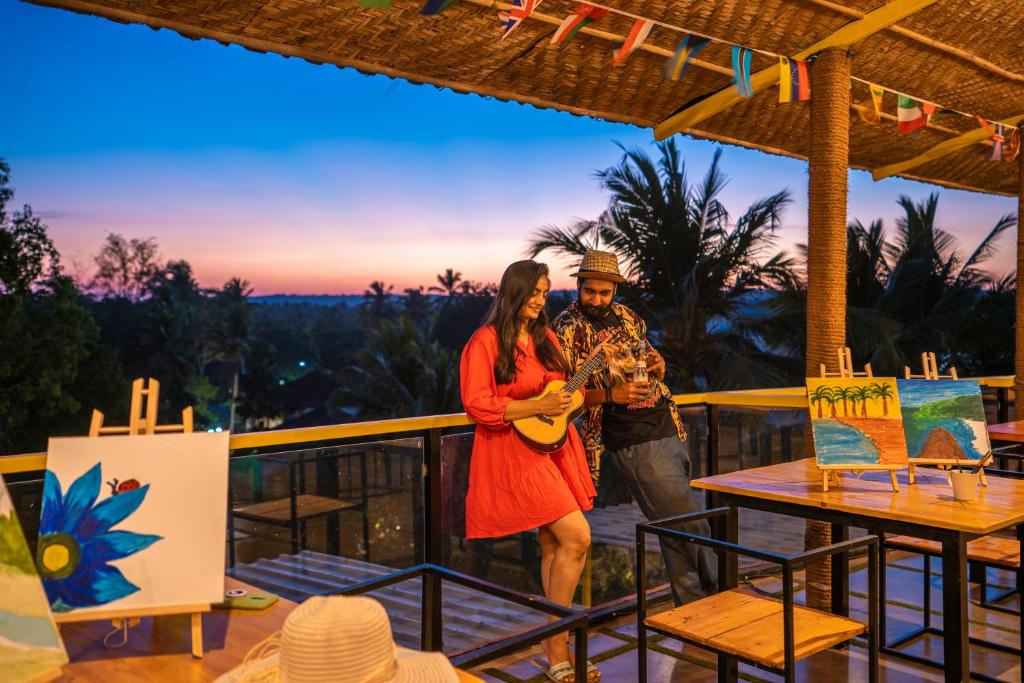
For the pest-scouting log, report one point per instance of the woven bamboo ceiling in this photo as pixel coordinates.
(959, 54)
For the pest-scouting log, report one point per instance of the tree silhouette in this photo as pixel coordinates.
(693, 273)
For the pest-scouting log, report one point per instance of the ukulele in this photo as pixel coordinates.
(547, 433)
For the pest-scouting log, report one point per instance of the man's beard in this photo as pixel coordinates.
(596, 312)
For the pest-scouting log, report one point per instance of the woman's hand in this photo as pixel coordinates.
(555, 403)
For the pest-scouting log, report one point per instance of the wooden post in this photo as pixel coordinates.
(1018, 363)
(828, 159)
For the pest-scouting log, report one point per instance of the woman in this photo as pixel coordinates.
(513, 488)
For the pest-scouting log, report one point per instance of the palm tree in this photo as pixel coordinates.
(449, 282)
(884, 392)
(820, 395)
(694, 275)
(849, 394)
(231, 332)
(835, 395)
(377, 299)
(914, 293)
(864, 394)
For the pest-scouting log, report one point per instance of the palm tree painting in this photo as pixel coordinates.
(872, 435)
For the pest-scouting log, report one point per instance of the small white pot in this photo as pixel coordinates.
(965, 485)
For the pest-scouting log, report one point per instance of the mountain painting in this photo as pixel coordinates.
(944, 419)
(856, 421)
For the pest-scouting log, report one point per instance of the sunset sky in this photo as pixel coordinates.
(311, 179)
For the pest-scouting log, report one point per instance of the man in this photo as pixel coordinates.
(636, 426)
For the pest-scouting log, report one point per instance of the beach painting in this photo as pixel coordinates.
(856, 421)
(944, 419)
(30, 645)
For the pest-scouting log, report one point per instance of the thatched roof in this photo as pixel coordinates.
(960, 54)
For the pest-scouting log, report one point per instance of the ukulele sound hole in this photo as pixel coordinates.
(545, 419)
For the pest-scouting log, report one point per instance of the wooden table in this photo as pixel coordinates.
(1007, 431)
(925, 510)
(161, 649)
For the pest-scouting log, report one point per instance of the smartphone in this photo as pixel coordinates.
(240, 598)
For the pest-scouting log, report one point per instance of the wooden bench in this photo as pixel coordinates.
(742, 625)
(750, 626)
(1000, 552)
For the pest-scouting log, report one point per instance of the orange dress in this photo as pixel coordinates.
(513, 488)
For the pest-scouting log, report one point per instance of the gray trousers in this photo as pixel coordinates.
(658, 474)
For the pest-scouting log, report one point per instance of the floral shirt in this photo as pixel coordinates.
(578, 338)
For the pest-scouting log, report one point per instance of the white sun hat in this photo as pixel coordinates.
(339, 639)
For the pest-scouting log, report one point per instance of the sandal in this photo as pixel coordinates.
(593, 673)
(563, 672)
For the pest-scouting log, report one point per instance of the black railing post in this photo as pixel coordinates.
(1003, 404)
(711, 464)
(432, 497)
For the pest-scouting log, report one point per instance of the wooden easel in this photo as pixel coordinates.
(845, 366)
(143, 423)
(830, 473)
(930, 370)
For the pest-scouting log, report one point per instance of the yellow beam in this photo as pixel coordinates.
(871, 23)
(787, 397)
(942, 149)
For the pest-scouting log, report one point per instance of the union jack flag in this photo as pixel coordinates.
(510, 19)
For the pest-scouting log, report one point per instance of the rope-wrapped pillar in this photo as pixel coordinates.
(1018, 356)
(828, 159)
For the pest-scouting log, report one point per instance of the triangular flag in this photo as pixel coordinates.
(910, 116)
(675, 67)
(871, 110)
(511, 19)
(581, 16)
(1012, 148)
(436, 6)
(998, 136)
(794, 80)
(741, 70)
(637, 35)
(379, 4)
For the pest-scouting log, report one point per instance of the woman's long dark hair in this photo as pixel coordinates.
(516, 288)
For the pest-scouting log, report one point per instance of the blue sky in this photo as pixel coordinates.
(312, 179)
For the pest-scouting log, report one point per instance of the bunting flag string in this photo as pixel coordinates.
(637, 35)
(512, 18)
(913, 114)
(794, 80)
(741, 70)
(874, 113)
(435, 7)
(675, 67)
(581, 16)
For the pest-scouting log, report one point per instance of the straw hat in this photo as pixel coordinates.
(342, 640)
(599, 265)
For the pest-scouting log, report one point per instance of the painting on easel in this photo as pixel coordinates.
(134, 522)
(856, 422)
(30, 645)
(944, 419)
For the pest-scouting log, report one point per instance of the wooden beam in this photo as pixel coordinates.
(871, 23)
(951, 50)
(974, 137)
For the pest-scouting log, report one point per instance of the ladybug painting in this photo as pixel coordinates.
(126, 485)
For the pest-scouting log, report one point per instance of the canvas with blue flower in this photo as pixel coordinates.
(77, 541)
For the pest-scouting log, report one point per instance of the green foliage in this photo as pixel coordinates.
(14, 554)
(957, 407)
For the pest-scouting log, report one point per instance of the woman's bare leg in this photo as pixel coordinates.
(564, 559)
